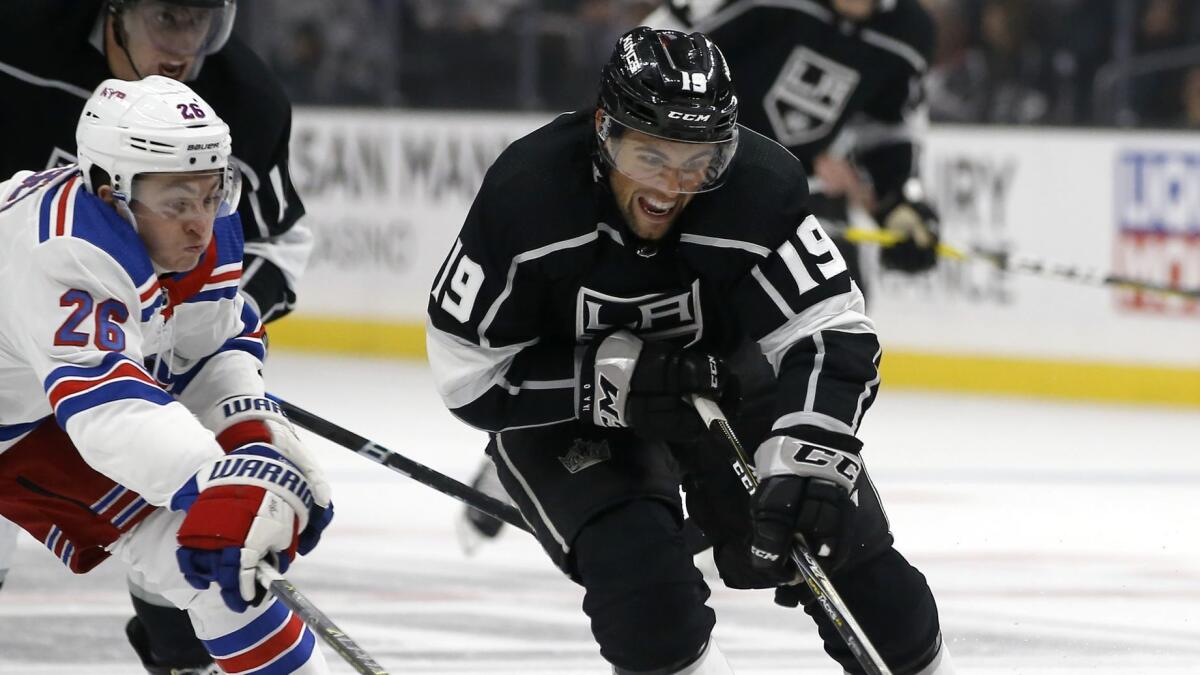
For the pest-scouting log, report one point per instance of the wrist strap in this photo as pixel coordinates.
(787, 456)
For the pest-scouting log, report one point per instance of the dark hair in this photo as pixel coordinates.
(98, 177)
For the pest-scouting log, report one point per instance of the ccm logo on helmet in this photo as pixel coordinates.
(687, 117)
(109, 92)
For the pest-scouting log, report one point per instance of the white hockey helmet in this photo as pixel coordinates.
(155, 125)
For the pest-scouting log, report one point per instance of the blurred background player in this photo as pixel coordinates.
(134, 421)
(665, 239)
(839, 83)
(53, 53)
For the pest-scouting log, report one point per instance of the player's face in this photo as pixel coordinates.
(175, 214)
(159, 39)
(648, 211)
(670, 175)
(855, 10)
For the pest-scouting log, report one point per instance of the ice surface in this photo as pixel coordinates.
(1058, 538)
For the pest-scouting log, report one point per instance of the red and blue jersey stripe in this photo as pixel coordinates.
(74, 389)
(69, 210)
(275, 643)
(58, 544)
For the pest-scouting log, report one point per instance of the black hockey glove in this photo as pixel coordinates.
(807, 493)
(917, 225)
(627, 382)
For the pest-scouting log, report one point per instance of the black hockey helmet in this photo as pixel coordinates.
(676, 88)
(670, 84)
(197, 27)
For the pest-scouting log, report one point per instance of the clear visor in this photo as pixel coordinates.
(669, 166)
(179, 30)
(195, 195)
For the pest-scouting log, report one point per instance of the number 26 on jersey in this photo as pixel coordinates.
(103, 328)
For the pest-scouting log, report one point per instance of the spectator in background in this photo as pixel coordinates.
(341, 53)
(948, 82)
(576, 43)
(1190, 99)
(1079, 38)
(1162, 26)
(1005, 76)
(462, 53)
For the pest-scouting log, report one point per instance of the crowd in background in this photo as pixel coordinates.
(1058, 62)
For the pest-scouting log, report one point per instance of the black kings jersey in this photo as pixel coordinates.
(51, 60)
(544, 264)
(807, 78)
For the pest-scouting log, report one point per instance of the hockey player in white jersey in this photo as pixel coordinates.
(133, 417)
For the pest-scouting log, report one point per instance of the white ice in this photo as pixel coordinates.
(1059, 539)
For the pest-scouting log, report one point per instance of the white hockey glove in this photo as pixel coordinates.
(247, 506)
(266, 499)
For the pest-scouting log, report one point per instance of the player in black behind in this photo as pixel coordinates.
(610, 262)
(840, 83)
(53, 53)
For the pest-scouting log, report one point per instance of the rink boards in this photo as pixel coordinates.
(386, 193)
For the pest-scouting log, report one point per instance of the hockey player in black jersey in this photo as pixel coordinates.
(620, 259)
(53, 53)
(840, 83)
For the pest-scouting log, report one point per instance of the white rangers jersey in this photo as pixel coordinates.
(123, 358)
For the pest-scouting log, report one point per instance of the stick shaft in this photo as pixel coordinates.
(1032, 266)
(322, 625)
(695, 538)
(397, 462)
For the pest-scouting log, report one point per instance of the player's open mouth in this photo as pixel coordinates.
(171, 70)
(656, 208)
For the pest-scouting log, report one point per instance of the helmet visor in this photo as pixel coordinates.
(663, 164)
(179, 29)
(195, 195)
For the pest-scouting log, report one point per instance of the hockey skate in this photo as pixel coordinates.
(140, 641)
(474, 526)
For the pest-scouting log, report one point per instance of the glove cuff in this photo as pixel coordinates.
(604, 379)
(238, 420)
(787, 456)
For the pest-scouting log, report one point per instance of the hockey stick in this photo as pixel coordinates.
(1005, 263)
(694, 538)
(399, 463)
(814, 577)
(321, 624)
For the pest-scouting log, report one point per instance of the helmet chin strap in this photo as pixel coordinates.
(121, 40)
(121, 204)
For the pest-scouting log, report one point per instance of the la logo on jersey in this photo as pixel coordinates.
(655, 316)
(808, 96)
